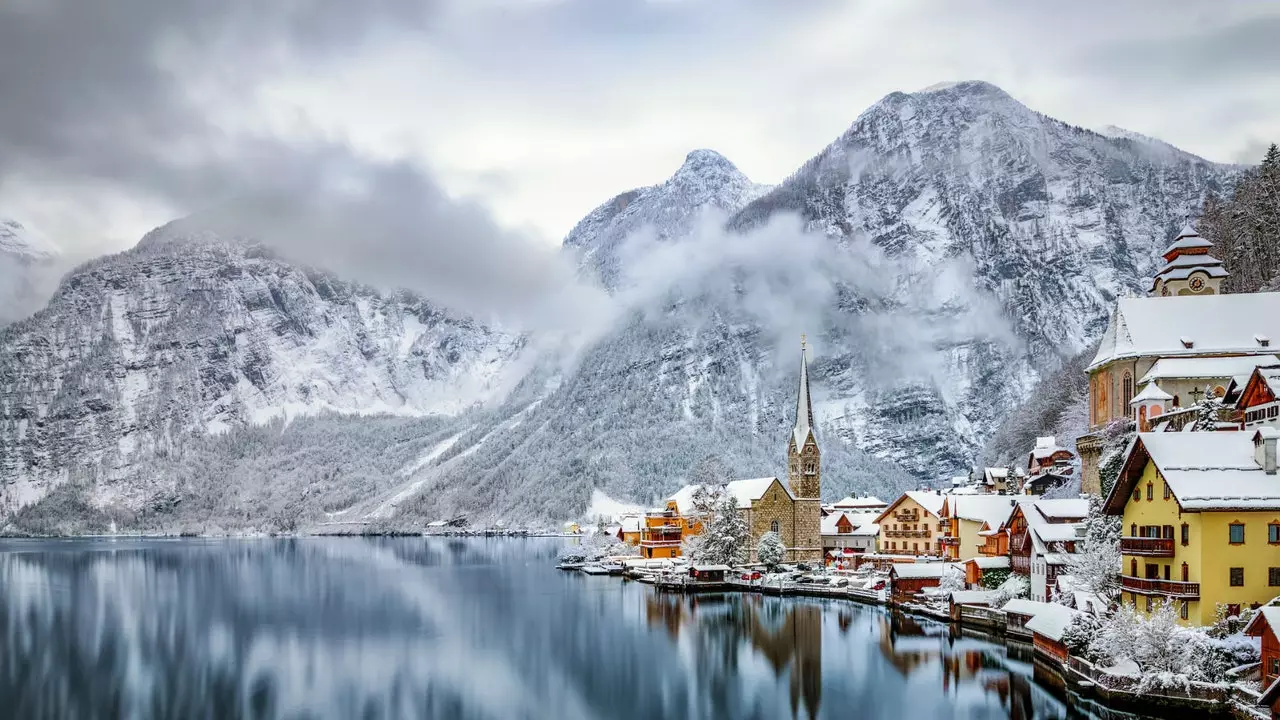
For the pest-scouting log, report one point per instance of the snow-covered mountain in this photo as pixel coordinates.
(950, 247)
(707, 183)
(189, 333)
(27, 263)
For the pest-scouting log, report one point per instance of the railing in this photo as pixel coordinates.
(1147, 546)
(1171, 588)
(949, 540)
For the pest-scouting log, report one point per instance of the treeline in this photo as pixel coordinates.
(1245, 228)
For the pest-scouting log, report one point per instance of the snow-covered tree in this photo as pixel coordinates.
(770, 551)
(1079, 634)
(1014, 586)
(1095, 566)
(726, 535)
(952, 579)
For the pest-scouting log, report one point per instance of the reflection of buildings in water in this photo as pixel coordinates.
(845, 621)
(798, 642)
(787, 634)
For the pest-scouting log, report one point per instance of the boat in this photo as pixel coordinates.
(569, 566)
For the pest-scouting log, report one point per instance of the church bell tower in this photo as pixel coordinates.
(1189, 269)
(804, 471)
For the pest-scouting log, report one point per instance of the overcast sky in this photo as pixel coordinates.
(117, 116)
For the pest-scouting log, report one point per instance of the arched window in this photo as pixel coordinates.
(1133, 567)
(774, 526)
(1177, 401)
(1133, 530)
(1127, 395)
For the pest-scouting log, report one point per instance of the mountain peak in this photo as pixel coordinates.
(971, 88)
(15, 239)
(703, 161)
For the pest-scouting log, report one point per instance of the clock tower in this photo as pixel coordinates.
(1189, 268)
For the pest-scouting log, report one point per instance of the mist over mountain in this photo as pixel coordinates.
(29, 263)
(945, 252)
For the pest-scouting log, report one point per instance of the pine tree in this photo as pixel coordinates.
(770, 551)
(1095, 566)
(726, 536)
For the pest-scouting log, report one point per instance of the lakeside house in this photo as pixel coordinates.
(910, 524)
(1043, 532)
(1266, 626)
(906, 580)
(1201, 521)
(1047, 627)
(964, 517)
(848, 533)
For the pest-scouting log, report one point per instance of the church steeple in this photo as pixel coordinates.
(804, 471)
(1189, 268)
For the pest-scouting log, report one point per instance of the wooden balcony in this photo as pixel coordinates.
(1147, 546)
(1169, 588)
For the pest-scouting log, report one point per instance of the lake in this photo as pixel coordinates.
(455, 628)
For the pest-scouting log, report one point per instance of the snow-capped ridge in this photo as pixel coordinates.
(24, 242)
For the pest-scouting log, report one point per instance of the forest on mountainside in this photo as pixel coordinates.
(1054, 407)
(1245, 228)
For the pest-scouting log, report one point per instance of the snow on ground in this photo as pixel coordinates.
(603, 505)
(435, 452)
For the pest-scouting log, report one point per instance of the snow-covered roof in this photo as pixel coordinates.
(990, 509)
(744, 491)
(1056, 558)
(930, 501)
(712, 568)
(1206, 368)
(1151, 392)
(1207, 471)
(1213, 271)
(995, 473)
(1270, 614)
(1215, 325)
(1187, 240)
(991, 562)
(1048, 441)
(830, 525)
(1052, 620)
(870, 529)
(630, 524)
(861, 502)
(1059, 532)
(920, 570)
(684, 499)
(1063, 508)
(974, 597)
(1022, 606)
(1183, 261)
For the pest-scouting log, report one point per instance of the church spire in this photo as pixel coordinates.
(804, 407)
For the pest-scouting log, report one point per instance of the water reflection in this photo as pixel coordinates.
(453, 629)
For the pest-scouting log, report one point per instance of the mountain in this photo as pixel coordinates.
(947, 251)
(189, 334)
(28, 262)
(707, 183)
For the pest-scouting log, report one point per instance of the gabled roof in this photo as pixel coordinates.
(830, 525)
(1059, 509)
(744, 491)
(1215, 325)
(1204, 470)
(1022, 606)
(919, 570)
(930, 501)
(990, 562)
(1206, 368)
(1268, 614)
(1187, 239)
(990, 509)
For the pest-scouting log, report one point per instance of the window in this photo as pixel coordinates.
(1167, 492)
(1273, 577)
(1137, 493)
(1166, 572)
(774, 526)
(1235, 533)
(1237, 577)
(1186, 534)
(1274, 668)
(1273, 533)
(1133, 567)
(1185, 611)
(1127, 395)
(1185, 573)
(1149, 495)
(915, 547)
(1133, 529)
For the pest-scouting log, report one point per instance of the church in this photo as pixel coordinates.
(793, 510)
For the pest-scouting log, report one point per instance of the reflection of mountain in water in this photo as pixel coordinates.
(452, 629)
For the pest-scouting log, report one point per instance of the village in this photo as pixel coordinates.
(1143, 565)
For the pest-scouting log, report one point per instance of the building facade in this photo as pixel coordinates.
(911, 525)
(1201, 522)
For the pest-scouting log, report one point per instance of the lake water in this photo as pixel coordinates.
(454, 628)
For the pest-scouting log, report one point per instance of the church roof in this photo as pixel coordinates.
(1190, 326)
(1206, 368)
(1151, 392)
(804, 406)
(744, 491)
(1188, 239)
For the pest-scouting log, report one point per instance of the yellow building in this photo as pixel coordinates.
(664, 529)
(962, 517)
(911, 525)
(1201, 521)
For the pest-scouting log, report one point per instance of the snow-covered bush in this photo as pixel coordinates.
(952, 579)
(992, 579)
(770, 551)
(1095, 566)
(1080, 633)
(1167, 654)
(623, 550)
(572, 554)
(1014, 586)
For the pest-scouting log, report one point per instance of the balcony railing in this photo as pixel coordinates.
(1171, 588)
(1147, 546)
(948, 540)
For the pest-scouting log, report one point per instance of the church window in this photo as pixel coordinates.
(774, 526)
(1127, 395)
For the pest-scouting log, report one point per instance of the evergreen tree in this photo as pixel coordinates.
(1095, 565)
(770, 551)
(726, 536)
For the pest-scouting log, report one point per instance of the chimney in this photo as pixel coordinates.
(1264, 448)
